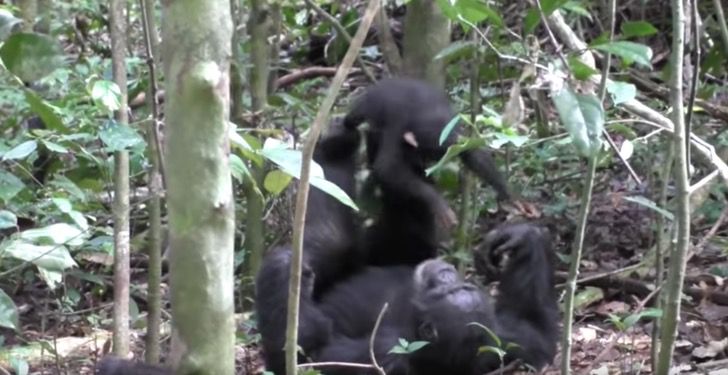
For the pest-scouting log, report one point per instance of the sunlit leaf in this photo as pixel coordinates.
(7, 23)
(276, 181)
(581, 71)
(8, 219)
(10, 185)
(21, 151)
(51, 257)
(449, 128)
(59, 234)
(629, 51)
(621, 92)
(8, 312)
(106, 94)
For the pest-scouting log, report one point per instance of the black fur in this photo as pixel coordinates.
(329, 254)
(434, 304)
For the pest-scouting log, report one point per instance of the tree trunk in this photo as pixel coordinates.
(121, 187)
(426, 33)
(196, 50)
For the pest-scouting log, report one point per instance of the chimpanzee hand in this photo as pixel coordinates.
(508, 243)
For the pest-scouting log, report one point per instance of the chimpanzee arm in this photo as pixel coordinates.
(395, 175)
(117, 366)
(481, 163)
(527, 308)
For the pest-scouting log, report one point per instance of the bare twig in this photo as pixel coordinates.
(373, 337)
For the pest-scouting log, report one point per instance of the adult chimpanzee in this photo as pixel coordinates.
(329, 253)
(117, 366)
(434, 304)
(406, 118)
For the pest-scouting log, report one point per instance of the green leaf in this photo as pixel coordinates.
(533, 17)
(582, 116)
(576, 8)
(46, 112)
(588, 296)
(118, 137)
(276, 181)
(50, 257)
(55, 147)
(10, 185)
(632, 29)
(449, 128)
(21, 151)
(628, 51)
(457, 50)
(621, 92)
(7, 23)
(289, 161)
(58, 234)
(490, 333)
(239, 170)
(645, 202)
(476, 11)
(31, 56)
(416, 345)
(455, 150)
(63, 204)
(581, 71)
(8, 220)
(106, 94)
(8, 312)
(632, 319)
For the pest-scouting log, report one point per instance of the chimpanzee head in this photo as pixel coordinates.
(445, 308)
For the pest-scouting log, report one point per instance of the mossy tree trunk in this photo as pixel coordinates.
(196, 52)
(426, 33)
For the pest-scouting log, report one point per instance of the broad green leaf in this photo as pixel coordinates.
(10, 185)
(503, 138)
(55, 147)
(8, 219)
(533, 16)
(31, 56)
(628, 51)
(449, 128)
(582, 116)
(476, 11)
(238, 169)
(21, 151)
(648, 313)
(45, 111)
(632, 29)
(106, 94)
(581, 71)
(577, 8)
(119, 137)
(643, 201)
(276, 181)
(7, 23)
(79, 219)
(455, 150)
(457, 50)
(50, 257)
(289, 161)
(8, 312)
(588, 296)
(448, 9)
(63, 204)
(621, 92)
(416, 345)
(59, 234)
(398, 350)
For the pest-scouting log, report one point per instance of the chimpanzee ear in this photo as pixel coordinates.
(427, 332)
(409, 138)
